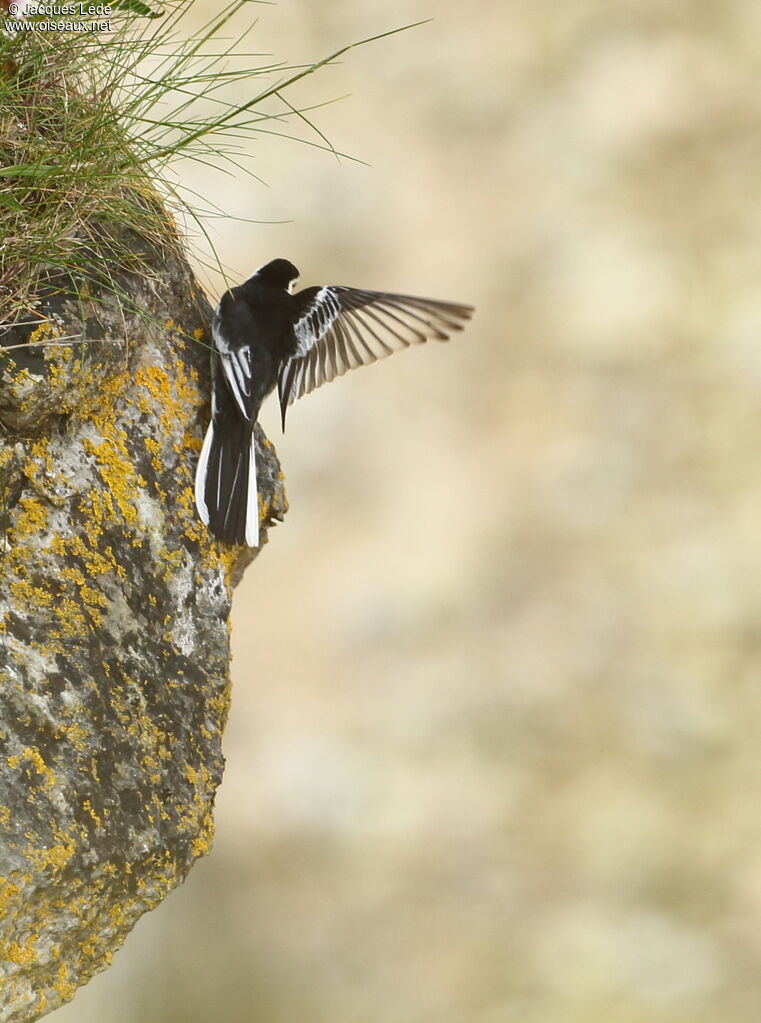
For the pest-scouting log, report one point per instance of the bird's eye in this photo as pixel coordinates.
(292, 285)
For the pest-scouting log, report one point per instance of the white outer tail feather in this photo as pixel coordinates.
(203, 462)
(252, 496)
(252, 502)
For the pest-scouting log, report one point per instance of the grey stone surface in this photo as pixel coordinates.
(114, 638)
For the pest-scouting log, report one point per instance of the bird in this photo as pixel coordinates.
(267, 335)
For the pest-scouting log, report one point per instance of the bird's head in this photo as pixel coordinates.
(280, 273)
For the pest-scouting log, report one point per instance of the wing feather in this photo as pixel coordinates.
(232, 319)
(337, 329)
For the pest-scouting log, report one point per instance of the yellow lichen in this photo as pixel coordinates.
(118, 473)
(20, 955)
(39, 333)
(77, 736)
(32, 517)
(9, 891)
(33, 758)
(201, 844)
(54, 857)
(63, 986)
(88, 808)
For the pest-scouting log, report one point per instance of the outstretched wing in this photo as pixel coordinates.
(339, 328)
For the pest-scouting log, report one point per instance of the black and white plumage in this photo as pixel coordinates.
(266, 336)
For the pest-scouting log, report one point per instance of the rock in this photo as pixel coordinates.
(114, 637)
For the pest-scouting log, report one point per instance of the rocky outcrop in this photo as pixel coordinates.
(114, 641)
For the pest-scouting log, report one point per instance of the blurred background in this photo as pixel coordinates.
(493, 754)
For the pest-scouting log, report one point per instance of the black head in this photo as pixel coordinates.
(280, 273)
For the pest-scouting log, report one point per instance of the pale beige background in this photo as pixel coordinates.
(494, 749)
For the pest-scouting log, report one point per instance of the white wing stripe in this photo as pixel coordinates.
(236, 364)
(342, 328)
(298, 379)
(229, 370)
(316, 320)
(220, 341)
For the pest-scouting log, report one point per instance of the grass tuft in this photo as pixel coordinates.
(90, 124)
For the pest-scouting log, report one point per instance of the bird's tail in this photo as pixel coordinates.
(226, 494)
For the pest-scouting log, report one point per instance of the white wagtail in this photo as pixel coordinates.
(264, 335)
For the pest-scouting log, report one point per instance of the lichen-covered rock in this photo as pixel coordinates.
(114, 642)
